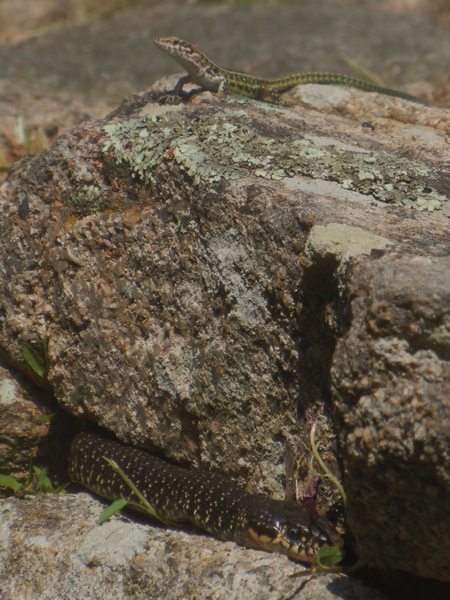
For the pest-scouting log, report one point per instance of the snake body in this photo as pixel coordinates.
(207, 500)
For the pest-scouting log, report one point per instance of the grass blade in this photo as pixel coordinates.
(9, 482)
(112, 509)
(34, 359)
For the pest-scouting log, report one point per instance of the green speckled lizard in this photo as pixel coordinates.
(209, 76)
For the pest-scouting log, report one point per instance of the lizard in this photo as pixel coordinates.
(203, 72)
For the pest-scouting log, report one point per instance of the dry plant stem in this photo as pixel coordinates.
(326, 471)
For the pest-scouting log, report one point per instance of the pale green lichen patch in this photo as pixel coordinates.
(342, 241)
(228, 145)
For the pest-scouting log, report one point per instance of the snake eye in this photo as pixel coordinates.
(293, 534)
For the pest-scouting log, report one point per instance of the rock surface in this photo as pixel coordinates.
(187, 266)
(51, 547)
(24, 424)
(392, 375)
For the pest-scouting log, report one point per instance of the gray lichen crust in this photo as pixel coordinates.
(227, 145)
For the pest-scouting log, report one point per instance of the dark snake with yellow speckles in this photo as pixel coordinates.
(207, 500)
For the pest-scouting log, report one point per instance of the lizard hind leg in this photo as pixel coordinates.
(267, 94)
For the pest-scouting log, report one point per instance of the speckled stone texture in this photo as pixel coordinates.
(24, 426)
(52, 547)
(392, 375)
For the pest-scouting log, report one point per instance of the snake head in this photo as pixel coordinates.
(290, 529)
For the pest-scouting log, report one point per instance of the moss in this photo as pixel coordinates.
(227, 144)
(87, 200)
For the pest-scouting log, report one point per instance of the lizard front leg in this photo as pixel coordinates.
(177, 95)
(178, 89)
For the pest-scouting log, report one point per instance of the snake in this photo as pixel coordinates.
(207, 500)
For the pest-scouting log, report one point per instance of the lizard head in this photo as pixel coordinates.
(185, 53)
(177, 48)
